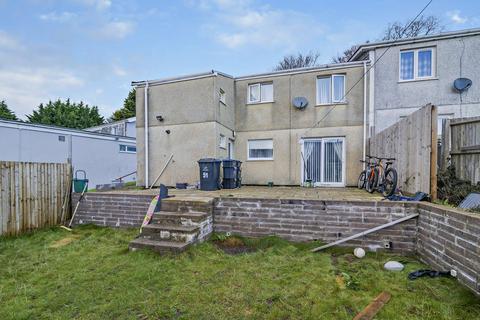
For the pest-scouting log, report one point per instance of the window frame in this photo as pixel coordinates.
(222, 96)
(224, 144)
(415, 64)
(259, 159)
(259, 85)
(332, 89)
(126, 148)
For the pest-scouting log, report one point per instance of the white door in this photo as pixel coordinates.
(323, 161)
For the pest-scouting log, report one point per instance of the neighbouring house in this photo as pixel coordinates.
(126, 127)
(258, 119)
(104, 157)
(406, 74)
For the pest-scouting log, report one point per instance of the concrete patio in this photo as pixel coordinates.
(263, 192)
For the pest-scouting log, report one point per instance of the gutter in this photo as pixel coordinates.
(145, 116)
(211, 73)
(440, 36)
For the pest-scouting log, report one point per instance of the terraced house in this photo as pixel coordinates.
(286, 127)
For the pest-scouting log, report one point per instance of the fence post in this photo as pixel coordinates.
(434, 153)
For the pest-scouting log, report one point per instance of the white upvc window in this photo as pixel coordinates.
(331, 89)
(223, 98)
(417, 64)
(127, 148)
(223, 142)
(260, 92)
(260, 149)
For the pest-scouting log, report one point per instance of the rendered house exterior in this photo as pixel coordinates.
(252, 119)
(410, 73)
(104, 157)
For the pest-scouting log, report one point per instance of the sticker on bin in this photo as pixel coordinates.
(205, 175)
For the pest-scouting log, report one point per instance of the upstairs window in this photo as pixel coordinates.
(417, 64)
(223, 98)
(331, 89)
(260, 149)
(260, 92)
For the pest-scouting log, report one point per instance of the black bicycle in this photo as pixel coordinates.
(363, 177)
(383, 177)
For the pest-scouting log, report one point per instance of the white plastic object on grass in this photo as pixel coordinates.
(359, 253)
(393, 266)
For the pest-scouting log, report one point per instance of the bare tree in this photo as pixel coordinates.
(346, 55)
(424, 25)
(298, 61)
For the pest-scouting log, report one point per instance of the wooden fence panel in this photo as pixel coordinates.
(465, 148)
(410, 142)
(32, 195)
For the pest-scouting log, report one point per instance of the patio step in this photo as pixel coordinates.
(178, 218)
(175, 233)
(157, 245)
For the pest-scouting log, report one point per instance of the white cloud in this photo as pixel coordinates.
(98, 4)
(118, 71)
(24, 88)
(7, 41)
(456, 17)
(267, 27)
(116, 29)
(57, 16)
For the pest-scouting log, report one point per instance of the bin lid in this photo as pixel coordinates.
(209, 160)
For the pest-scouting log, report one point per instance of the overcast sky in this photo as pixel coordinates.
(91, 50)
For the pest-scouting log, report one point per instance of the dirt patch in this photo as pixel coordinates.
(233, 245)
(65, 241)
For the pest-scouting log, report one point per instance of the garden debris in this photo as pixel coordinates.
(472, 201)
(372, 309)
(419, 196)
(425, 272)
(64, 241)
(452, 189)
(344, 280)
(232, 245)
(393, 266)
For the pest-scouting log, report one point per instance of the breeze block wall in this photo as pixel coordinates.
(450, 239)
(328, 221)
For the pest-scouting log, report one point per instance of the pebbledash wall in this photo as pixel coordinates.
(442, 238)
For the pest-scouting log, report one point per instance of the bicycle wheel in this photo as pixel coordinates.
(362, 180)
(372, 180)
(390, 182)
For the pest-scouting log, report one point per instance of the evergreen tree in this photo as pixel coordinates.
(128, 109)
(66, 114)
(6, 113)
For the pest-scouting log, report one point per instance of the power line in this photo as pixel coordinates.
(368, 70)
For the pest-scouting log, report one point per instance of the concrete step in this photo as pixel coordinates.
(176, 233)
(178, 218)
(157, 246)
(187, 205)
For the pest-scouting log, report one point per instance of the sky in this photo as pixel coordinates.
(91, 50)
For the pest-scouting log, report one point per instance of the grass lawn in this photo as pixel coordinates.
(90, 274)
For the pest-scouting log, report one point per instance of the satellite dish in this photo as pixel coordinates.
(300, 102)
(462, 84)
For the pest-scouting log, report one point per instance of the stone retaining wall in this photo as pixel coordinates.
(302, 220)
(450, 239)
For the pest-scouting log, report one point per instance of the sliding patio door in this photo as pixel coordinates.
(323, 161)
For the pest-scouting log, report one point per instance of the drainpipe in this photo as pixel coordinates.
(146, 132)
(364, 113)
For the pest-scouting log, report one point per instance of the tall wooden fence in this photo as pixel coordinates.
(32, 195)
(461, 143)
(413, 143)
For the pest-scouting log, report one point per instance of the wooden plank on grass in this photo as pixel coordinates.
(374, 307)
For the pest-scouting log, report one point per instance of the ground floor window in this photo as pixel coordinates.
(261, 149)
(128, 148)
(323, 161)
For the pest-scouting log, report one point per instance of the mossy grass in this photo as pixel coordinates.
(94, 276)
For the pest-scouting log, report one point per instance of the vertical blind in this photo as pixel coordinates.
(326, 166)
